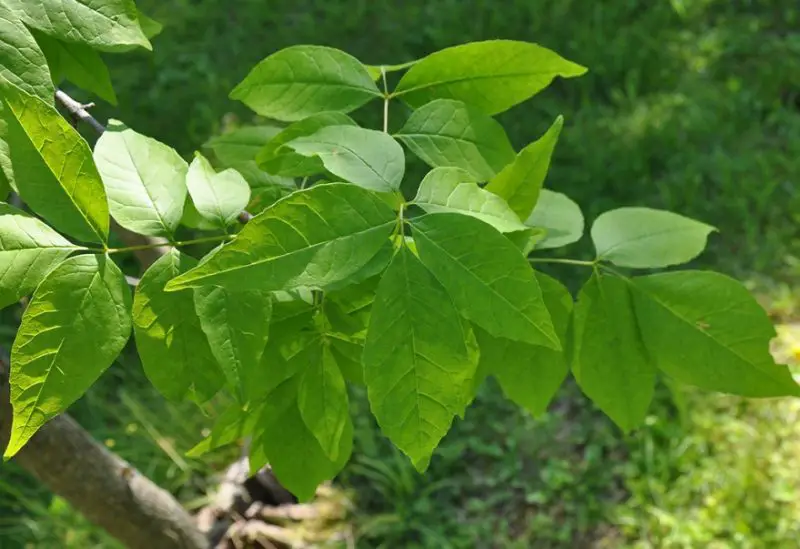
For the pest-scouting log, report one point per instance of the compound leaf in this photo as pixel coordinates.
(310, 238)
(449, 133)
(145, 181)
(488, 278)
(76, 324)
(609, 359)
(705, 329)
(645, 238)
(299, 81)
(419, 358)
(492, 75)
(521, 181)
(174, 350)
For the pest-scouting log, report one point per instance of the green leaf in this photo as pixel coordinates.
(367, 158)
(29, 249)
(150, 27)
(560, 217)
(311, 238)
(455, 190)
(5, 186)
(521, 181)
(233, 424)
(448, 133)
(322, 397)
(295, 455)
(76, 324)
(419, 359)
(79, 64)
(488, 278)
(493, 75)
(376, 71)
(53, 168)
(145, 181)
(106, 25)
(609, 359)
(705, 329)
(273, 159)
(22, 62)
(218, 197)
(174, 350)
(299, 81)
(257, 178)
(530, 375)
(644, 238)
(242, 144)
(237, 326)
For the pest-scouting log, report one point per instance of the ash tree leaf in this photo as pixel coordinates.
(29, 249)
(276, 160)
(419, 359)
(233, 424)
(530, 375)
(449, 133)
(492, 75)
(455, 190)
(705, 329)
(367, 158)
(311, 238)
(236, 323)
(299, 81)
(150, 27)
(488, 278)
(559, 216)
(22, 62)
(242, 144)
(218, 197)
(323, 402)
(292, 450)
(76, 324)
(52, 167)
(376, 71)
(106, 25)
(645, 238)
(609, 359)
(5, 186)
(145, 181)
(174, 350)
(520, 182)
(79, 64)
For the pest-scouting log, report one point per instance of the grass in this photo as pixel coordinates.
(690, 105)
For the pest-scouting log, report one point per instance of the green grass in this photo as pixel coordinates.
(691, 105)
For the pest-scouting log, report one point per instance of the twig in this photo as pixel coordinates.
(79, 112)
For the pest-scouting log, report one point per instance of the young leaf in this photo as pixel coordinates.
(275, 160)
(489, 280)
(493, 75)
(237, 326)
(644, 238)
(29, 249)
(448, 133)
(530, 375)
(419, 359)
(521, 181)
(53, 167)
(145, 181)
(560, 217)
(299, 81)
(174, 350)
(150, 27)
(376, 71)
(705, 329)
(322, 397)
(22, 62)
(454, 190)
(294, 454)
(79, 64)
(218, 197)
(310, 238)
(76, 324)
(367, 158)
(233, 424)
(242, 145)
(106, 25)
(609, 360)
